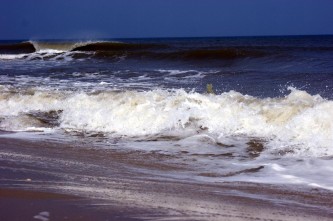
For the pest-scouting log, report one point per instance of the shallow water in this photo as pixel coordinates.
(268, 120)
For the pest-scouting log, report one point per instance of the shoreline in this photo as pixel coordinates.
(82, 184)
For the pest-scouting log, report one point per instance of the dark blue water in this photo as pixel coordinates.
(258, 66)
(140, 94)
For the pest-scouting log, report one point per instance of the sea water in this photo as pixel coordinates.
(268, 117)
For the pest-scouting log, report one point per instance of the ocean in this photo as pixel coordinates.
(232, 109)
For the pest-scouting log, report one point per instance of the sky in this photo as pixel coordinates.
(93, 19)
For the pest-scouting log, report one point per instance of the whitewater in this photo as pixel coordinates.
(268, 117)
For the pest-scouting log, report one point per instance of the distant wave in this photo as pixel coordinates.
(114, 46)
(18, 48)
(34, 46)
(111, 49)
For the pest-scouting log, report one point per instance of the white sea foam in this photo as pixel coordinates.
(175, 72)
(300, 123)
(62, 46)
(11, 56)
(296, 131)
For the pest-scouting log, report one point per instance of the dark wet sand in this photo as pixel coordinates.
(74, 183)
(18, 204)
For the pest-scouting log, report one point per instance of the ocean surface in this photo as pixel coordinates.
(254, 109)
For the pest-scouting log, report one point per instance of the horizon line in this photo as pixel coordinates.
(183, 37)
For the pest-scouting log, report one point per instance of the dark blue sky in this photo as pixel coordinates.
(78, 19)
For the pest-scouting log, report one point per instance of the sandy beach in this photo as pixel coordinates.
(55, 181)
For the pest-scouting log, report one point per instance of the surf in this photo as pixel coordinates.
(299, 121)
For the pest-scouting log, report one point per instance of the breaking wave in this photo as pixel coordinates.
(297, 123)
(34, 46)
(112, 49)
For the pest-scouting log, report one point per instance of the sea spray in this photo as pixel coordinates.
(297, 119)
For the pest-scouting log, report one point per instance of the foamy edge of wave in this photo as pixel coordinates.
(299, 121)
(66, 46)
(12, 56)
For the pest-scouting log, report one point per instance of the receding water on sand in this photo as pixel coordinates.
(114, 178)
(141, 184)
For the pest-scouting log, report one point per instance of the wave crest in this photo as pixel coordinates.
(299, 119)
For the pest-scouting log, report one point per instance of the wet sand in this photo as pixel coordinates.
(69, 182)
(18, 204)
